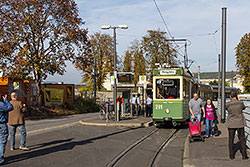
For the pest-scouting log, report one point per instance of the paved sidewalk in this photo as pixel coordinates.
(139, 121)
(213, 152)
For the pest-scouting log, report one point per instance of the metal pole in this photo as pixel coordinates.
(95, 78)
(117, 115)
(223, 53)
(219, 79)
(185, 56)
(232, 79)
(199, 69)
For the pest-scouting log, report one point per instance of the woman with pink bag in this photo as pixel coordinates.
(209, 115)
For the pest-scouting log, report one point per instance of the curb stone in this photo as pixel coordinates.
(186, 153)
(146, 124)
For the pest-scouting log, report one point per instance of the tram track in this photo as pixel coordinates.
(153, 162)
(122, 154)
(155, 158)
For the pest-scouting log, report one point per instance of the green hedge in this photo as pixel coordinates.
(85, 105)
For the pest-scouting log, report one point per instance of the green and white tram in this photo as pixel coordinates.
(172, 89)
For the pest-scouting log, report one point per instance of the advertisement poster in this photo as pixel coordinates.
(69, 91)
(53, 96)
(3, 81)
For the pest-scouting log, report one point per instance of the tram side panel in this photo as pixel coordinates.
(169, 111)
(186, 113)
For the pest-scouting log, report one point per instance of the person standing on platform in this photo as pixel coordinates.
(148, 106)
(138, 105)
(133, 101)
(209, 116)
(236, 122)
(5, 107)
(16, 121)
(195, 106)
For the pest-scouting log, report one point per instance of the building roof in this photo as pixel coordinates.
(214, 75)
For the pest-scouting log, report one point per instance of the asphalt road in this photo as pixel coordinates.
(63, 142)
(33, 126)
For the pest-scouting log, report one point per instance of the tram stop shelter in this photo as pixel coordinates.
(127, 89)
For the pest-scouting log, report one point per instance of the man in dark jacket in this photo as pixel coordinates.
(236, 122)
(5, 107)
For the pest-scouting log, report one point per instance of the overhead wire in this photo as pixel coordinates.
(217, 50)
(207, 34)
(164, 22)
(178, 50)
(168, 31)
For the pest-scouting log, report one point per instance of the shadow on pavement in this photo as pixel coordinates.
(33, 147)
(62, 147)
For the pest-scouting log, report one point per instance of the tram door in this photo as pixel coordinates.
(187, 95)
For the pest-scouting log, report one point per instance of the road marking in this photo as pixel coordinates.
(60, 126)
(53, 127)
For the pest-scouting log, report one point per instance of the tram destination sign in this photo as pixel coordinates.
(168, 72)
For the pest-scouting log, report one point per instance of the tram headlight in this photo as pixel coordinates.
(167, 111)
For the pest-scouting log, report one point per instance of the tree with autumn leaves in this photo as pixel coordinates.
(242, 53)
(101, 46)
(134, 60)
(37, 37)
(153, 48)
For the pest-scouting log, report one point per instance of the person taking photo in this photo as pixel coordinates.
(5, 107)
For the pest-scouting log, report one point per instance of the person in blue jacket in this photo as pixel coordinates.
(5, 107)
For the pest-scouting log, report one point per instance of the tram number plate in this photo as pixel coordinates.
(158, 106)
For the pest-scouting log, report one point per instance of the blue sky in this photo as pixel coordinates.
(189, 19)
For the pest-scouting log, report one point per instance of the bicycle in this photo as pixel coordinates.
(104, 112)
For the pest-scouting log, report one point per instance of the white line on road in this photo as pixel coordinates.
(53, 127)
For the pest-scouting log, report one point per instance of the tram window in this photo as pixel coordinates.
(186, 88)
(167, 89)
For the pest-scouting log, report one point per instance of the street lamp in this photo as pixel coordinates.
(106, 27)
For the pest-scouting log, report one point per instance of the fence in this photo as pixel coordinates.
(100, 96)
(246, 113)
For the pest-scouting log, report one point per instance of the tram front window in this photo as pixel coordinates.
(167, 88)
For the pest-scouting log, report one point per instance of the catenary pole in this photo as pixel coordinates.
(223, 53)
(95, 78)
(219, 85)
(117, 115)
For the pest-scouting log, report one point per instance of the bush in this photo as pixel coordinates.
(81, 105)
(85, 105)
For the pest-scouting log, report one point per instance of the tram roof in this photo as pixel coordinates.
(172, 72)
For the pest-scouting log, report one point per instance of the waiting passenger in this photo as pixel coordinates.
(148, 106)
(209, 115)
(236, 122)
(133, 101)
(138, 105)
